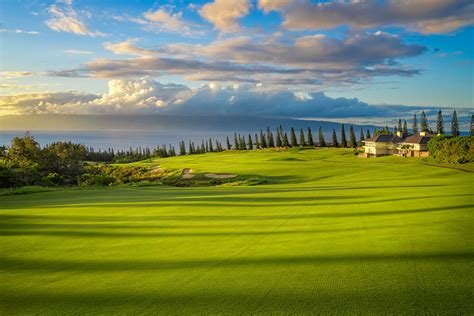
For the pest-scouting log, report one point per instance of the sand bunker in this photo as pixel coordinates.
(188, 173)
(219, 176)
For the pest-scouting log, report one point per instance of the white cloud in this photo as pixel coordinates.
(224, 14)
(146, 96)
(77, 52)
(63, 18)
(19, 31)
(15, 74)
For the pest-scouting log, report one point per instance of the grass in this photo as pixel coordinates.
(328, 233)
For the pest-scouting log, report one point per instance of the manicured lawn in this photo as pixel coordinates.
(328, 233)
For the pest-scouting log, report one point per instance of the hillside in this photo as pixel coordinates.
(326, 232)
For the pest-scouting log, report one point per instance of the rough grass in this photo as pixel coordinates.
(328, 233)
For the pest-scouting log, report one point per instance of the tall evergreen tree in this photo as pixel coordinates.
(242, 145)
(190, 150)
(399, 127)
(343, 137)
(293, 141)
(454, 124)
(278, 138)
(236, 142)
(211, 148)
(310, 137)
(250, 143)
(424, 122)
(361, 137)
(405, 127)
(322, 142)
(439, 124)
(229, 146)
(302, 140)
(257, 143)
(367, 134)
(352, 138)
(334, 138)
(414, 127)
(395, 129)
(182, 148)
(270, 140)
(286, 143)
(263, 142)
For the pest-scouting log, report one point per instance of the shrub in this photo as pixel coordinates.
(451, 149)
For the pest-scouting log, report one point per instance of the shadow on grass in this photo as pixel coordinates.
(23, 264)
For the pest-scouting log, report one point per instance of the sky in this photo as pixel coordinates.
(365, 60)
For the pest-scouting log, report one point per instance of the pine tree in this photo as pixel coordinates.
(190, 151)
(352, 138)
(270, 140)
(361, 137)
(440, 125)
(322, 142)
(257, 143)
(278, 138)
(415, 124)
(293, 138)
(310, 138)
(250, 143)
(236, 142)
(454, 124)
(405, 127)
(334, 138)
(375, 132)
(211, 149)
(343, 137)
(302, 140)
(424, 122)
(367, 134)
(242, 146)
(263, 142)
(229, 146)
(395, 129)
(182, 148)
(399, 128)
(286, 143)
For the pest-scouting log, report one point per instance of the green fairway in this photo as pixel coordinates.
(327, 233)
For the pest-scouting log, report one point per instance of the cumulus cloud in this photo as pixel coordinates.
(424, 16)
(146, 96)
(309, 60)
(63, 18)
(224, 14)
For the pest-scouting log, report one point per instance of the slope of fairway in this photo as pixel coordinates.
(328, 233)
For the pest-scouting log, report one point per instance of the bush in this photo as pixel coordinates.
(95, 180)
(451, 149)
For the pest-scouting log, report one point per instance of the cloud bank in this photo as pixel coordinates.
(146, 96)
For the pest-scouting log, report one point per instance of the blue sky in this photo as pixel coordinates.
(89, 56)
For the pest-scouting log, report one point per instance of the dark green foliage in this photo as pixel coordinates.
(286, 143)
(242, 145)
(250, 143)
(322, 142)
(405, 127)
(236, 142)
(293, 141)
(352, 138)
(279, 141)
(343, 137)
(367, 134)
(454, 124)
(335, 143)
(424, 122)
(263, 141)
(302, 140)
(361, 137)
(257, 143)
(439, 123)
(310, 137)
(399, 127)
(182, 148)
(415, 124)
(211, 147)
(270, 140)
(229, 146)
(452, 149)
